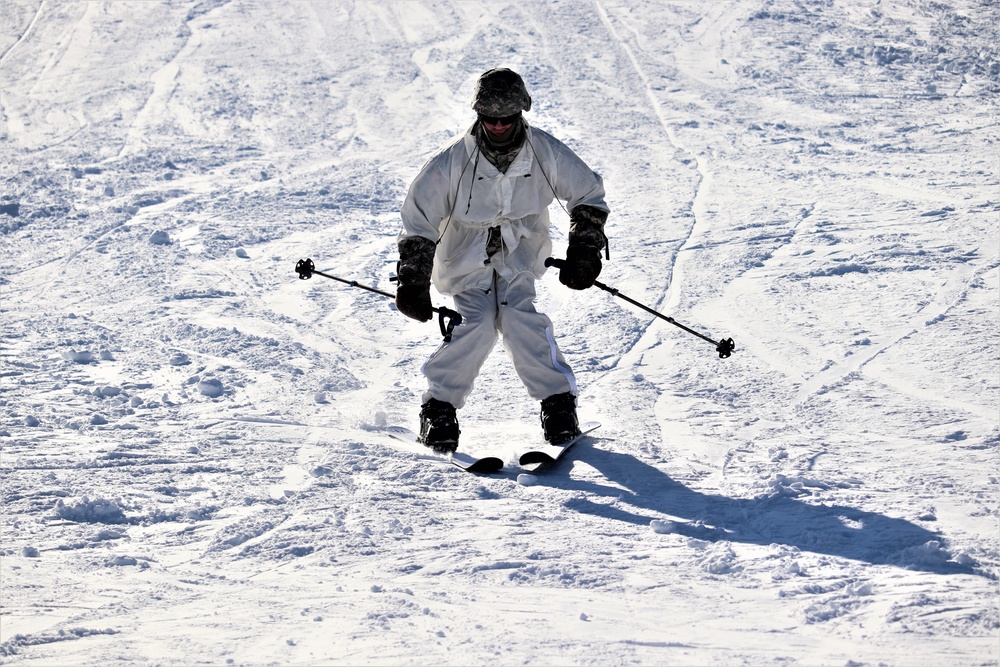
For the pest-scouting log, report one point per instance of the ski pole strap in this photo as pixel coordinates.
(724, 347)
(447, 319)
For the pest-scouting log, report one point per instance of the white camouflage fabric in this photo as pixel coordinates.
(459, 195)
(508, 309)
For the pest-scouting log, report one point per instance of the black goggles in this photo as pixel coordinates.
(497, 120)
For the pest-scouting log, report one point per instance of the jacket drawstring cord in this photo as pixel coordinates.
(607, 244)
(472, 184)
(458, 187)
(544, 175)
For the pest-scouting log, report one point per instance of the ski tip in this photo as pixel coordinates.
(486, 465)
(535, 457)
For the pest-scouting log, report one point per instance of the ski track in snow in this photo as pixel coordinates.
(190, 451)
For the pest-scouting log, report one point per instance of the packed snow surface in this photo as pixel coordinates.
(193, 464)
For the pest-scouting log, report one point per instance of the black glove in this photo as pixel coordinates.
(414, 302)
(582, 266)
(416, 259)
(583, 256)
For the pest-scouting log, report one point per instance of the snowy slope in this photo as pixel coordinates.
(192, 465)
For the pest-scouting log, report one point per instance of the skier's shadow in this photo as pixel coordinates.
(840, 531)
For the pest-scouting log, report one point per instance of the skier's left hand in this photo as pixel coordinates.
(581, 268)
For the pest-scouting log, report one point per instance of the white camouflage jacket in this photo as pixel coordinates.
(459, 195)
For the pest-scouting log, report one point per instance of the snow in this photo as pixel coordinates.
(527, 479)
(191, 450)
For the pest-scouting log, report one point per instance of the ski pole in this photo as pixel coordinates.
(447, 319)
(724, 347)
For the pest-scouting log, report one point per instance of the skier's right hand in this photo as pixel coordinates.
(414, 301)
(416, 260)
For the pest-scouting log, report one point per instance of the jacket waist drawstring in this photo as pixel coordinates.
(495, 247)
(495, 289)
(506, 289)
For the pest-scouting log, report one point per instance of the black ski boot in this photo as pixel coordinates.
(439, 426)
(559, 418)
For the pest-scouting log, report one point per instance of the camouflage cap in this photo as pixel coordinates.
(500, 92)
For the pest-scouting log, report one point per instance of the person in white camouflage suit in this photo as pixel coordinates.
(476, 223)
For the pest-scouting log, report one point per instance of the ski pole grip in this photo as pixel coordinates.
(552, 261)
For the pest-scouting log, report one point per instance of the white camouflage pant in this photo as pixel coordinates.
(508, 310)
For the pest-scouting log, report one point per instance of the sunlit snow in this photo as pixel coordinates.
(192, 450)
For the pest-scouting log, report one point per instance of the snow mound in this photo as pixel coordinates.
(97, 510)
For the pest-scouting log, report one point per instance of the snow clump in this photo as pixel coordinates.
(159, 237)
(180, 359)
(210, 387)
(662, 527)
(79, 357)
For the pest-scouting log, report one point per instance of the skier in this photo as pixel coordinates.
(475, 221)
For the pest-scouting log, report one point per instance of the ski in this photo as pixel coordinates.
(465, 461)
(548, 454)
